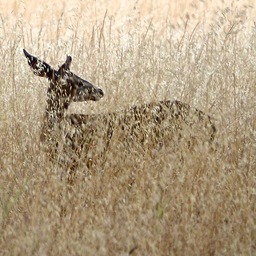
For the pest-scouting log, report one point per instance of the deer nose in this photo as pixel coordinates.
(100, 92)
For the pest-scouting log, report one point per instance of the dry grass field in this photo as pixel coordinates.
(173, 201)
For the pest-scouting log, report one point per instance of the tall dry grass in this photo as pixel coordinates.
(170, 202)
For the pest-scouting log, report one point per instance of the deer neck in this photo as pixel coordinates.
(54, 113)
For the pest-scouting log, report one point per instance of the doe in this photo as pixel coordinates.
(76, 138)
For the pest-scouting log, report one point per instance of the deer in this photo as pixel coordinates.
(85, 138)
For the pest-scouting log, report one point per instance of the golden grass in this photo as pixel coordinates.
(171, 202)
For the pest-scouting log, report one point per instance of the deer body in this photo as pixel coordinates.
(81, 137)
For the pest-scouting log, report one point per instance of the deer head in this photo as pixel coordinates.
(64, 88)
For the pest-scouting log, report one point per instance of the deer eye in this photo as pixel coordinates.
(66, 104)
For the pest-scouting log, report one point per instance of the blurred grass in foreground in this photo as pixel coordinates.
(153, 204)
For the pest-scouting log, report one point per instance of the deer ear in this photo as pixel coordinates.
(39, 67)
(66, 65)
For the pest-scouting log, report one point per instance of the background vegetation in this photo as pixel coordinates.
(199, 52)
